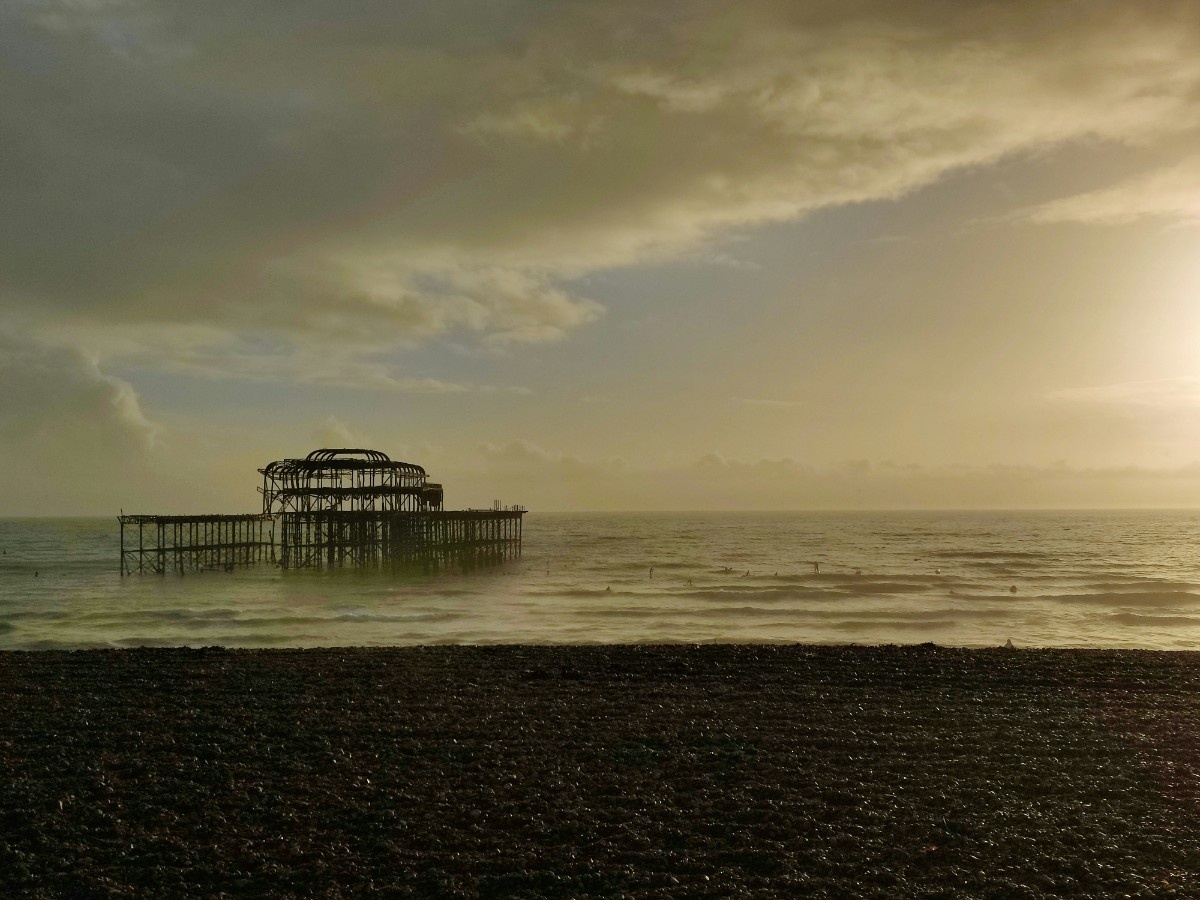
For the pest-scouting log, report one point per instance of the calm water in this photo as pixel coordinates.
(1118, 579)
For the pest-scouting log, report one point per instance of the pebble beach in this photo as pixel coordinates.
(616, 770)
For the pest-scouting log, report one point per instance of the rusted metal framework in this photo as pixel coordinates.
(334, 508)
(181, 544)
(430, 541)
(347, 480)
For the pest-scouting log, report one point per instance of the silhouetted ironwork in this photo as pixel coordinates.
(430, 541)
(334, 508)
(185, 544)
(347, 481)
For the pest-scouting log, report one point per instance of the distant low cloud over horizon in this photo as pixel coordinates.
(551, 481)
(922, 231)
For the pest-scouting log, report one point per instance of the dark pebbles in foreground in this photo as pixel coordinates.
(601, 771)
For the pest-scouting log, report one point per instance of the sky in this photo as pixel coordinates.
(864, 254)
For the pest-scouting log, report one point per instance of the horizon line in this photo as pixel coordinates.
(744, 510)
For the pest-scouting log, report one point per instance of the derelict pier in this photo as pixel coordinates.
(334, 508)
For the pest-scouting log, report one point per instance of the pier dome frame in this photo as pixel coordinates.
(347, 480)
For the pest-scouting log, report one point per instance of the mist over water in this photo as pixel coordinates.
(1082, 579)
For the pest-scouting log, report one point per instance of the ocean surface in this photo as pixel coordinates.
(1039, 579)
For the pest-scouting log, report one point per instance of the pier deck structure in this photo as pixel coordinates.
(430, 541)
(181, 544)
(334, 508)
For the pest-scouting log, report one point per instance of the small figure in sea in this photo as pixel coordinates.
(816, 568)
(35, 574)
(747, 575)
(1012, 589)
(937, 571)
(858, 571)
(652, 571)
(608, 589)
(689, 584)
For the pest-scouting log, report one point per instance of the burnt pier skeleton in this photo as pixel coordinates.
(334, 508)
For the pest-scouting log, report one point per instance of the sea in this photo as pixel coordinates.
(1119, 579)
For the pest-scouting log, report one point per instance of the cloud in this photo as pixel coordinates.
(543, 480)
(54, 392)
(1163, 393)
(752, 401)
(772, 469)
(213, 354)
(397, 173)
(527, 458)
(333, 432)
(1171, 192)
(69, 434)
